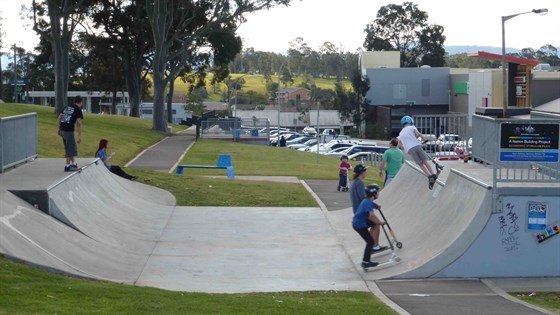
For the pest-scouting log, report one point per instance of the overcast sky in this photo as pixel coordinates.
(342, 22)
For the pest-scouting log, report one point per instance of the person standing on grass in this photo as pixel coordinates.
(392, 161)
(70, 118)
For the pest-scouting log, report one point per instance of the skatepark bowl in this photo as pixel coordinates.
(94, 224)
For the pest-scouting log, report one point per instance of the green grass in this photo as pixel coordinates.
(127, 136)
(29, 290)
(254, 83)
(546, 300)
(256, 160)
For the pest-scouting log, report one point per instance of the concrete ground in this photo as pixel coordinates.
(265, 249)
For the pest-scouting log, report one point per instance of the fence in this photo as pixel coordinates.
(248, 130)
(18, 140)
(523, 153)
(446, 134)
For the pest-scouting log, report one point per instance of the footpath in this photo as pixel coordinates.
(410, 296)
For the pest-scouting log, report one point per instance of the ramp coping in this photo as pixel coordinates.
(73, 174)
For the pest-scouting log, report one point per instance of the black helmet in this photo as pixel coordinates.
(372, 189)
(359, 169)
(344, 157)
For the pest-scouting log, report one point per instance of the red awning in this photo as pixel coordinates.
(510, 59)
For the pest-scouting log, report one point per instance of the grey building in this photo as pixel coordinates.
(395, 92)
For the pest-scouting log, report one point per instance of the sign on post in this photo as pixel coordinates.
(528, 142)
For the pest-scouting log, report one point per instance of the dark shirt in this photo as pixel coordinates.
(70, 114)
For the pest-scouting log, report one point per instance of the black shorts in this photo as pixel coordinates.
(70, 146)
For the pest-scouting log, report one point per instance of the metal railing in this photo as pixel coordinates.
(446, 135)
(235, 128)
(18, 140)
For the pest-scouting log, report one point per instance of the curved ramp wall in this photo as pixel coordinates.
(33, 236)
(100, 205)
(435, 226)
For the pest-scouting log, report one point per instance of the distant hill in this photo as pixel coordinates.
(452, 50)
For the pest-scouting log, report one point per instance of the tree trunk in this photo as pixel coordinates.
(159, 123)
(60, 41)
(170, 101)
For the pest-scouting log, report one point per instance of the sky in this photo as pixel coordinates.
(342, 22)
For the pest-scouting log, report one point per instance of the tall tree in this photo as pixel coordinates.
(63, 18)
(126, 24)
(404, 28)
(2, 34)
(352, 103)
(196, 25)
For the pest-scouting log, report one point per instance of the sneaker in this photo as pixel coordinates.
(376, 249)
(70, 168)
(338, 188)
(369, 264)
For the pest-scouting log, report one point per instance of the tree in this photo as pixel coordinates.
(194, 25)
(352, 104)
(125, 23)
(63, 18)
(548, 54)
(2, 34)
(404, 28)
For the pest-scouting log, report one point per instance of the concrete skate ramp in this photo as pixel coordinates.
(435, 226)
(113, 231)
(103, 207)
(82, 245)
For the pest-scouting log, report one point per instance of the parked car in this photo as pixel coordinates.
(306, 144)
(430, 143)
(464, 147)
(286, 134)
(309, 131)
(298, 140)
(359, 148)
(447, 142)
(329, 132)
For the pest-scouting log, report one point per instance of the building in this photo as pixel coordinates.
(179, 112)
(295, 95)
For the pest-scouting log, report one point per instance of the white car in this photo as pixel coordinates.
(306, 144)
(447, 142)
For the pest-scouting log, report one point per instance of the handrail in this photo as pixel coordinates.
(73, 174)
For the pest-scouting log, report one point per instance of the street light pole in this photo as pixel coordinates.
(318, 134)
(279, 101)
(504, 70)
(15, 76)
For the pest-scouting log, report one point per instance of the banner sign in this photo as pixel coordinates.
(529, 142)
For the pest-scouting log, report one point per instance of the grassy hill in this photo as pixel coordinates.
(255, 83)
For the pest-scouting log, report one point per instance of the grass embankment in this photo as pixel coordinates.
(255, 83)
(546, 300)
(28, 290)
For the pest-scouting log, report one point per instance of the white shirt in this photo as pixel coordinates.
(408, 137)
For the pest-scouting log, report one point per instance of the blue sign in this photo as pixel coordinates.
(536, 215)
(529, 142)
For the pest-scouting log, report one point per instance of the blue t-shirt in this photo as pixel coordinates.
(362, 214)
(103, 156)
